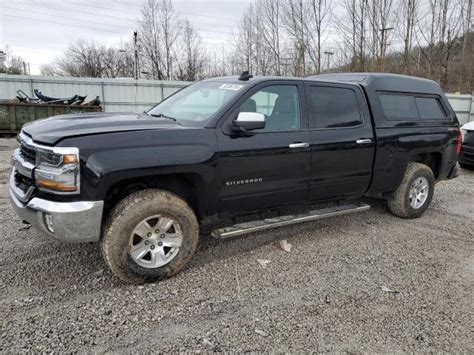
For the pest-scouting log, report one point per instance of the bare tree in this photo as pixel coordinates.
(434, 39)
(438, 33)
(246, 41)
(318, 12)
(467, 15)
(258, 46)
(12, 64)
(407, 25)
(381, 21)
(50, 70)
(352, 25)
(295, 20)
(190, 64)
(271, 11)
(90, 59)
(83, 59)
(160, 27)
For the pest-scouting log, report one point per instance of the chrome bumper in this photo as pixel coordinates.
(72, 221)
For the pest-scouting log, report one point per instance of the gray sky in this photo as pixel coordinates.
(40, 30)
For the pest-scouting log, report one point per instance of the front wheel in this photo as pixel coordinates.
(414, 194)
(150, 235)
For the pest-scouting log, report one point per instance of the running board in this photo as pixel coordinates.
(254, 226)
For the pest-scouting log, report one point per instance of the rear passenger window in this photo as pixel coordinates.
(334, 107)
(430, 108)
(397, 106)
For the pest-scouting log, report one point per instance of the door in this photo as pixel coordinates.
(342, 141)
(268, 167)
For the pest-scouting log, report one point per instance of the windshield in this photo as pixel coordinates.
(196, 104)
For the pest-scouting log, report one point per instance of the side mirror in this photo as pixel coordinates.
(248, 121)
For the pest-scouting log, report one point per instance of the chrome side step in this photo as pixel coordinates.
(254, 226)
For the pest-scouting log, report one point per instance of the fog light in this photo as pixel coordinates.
(48, 222)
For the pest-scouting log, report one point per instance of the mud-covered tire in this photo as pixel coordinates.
(127, 214)
(399, 201)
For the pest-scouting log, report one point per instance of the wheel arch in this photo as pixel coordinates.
(188, 186)
(431, 159)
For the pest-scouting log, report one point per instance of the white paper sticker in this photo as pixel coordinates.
(233, 87)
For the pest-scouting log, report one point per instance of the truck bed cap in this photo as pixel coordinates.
(384, 82)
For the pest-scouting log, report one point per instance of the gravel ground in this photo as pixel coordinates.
(324, 295)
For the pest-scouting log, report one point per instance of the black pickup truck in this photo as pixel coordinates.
(144, 184)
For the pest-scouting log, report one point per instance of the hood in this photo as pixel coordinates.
(52, 130)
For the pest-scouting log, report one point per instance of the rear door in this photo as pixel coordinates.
(342, 141)
(269, 167)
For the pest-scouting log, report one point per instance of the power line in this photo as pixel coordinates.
(66, 17)
(60, 23)
(87, 27)
(227, 19)
(184, 13)
(62, 8)
(82, 12)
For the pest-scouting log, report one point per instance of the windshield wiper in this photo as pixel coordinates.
(160, 115)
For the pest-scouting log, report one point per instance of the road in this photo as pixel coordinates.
(326, 294)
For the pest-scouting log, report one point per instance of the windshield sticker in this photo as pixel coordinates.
(233, 87)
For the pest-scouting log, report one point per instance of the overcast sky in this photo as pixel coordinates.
(40, 30)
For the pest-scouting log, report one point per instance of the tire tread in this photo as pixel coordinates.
(398, 204)
(122, 208)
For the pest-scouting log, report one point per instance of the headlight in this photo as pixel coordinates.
(58, 170)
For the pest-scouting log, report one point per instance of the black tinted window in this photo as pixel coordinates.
(430, 107)
(334, 107)
(398, 106)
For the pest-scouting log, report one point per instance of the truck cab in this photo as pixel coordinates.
(144, 184)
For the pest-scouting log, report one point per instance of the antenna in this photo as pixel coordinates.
(245, 76)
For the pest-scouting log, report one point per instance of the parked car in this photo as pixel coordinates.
(144, 184)
(466, 158)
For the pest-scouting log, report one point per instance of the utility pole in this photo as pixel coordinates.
(328, 54)
(383, 45)
(286, 64)
(135, 49)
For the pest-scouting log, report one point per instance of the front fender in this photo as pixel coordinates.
(111, 158)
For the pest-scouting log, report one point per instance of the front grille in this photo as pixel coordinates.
(28, 153)
(23, 182)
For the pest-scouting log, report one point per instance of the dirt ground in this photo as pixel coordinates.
(325, 295)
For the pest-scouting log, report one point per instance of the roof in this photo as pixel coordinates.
(371, 81)
(385, 82)
(254, 79)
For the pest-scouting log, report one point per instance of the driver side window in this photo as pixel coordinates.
(279, 104)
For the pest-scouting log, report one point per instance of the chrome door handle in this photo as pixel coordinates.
(364, 141)
(298, 145)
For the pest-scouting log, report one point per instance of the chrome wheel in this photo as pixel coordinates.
(155, 241)
(419, 191)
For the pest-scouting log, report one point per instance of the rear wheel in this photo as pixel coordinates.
(150, 235)
(414, 194)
